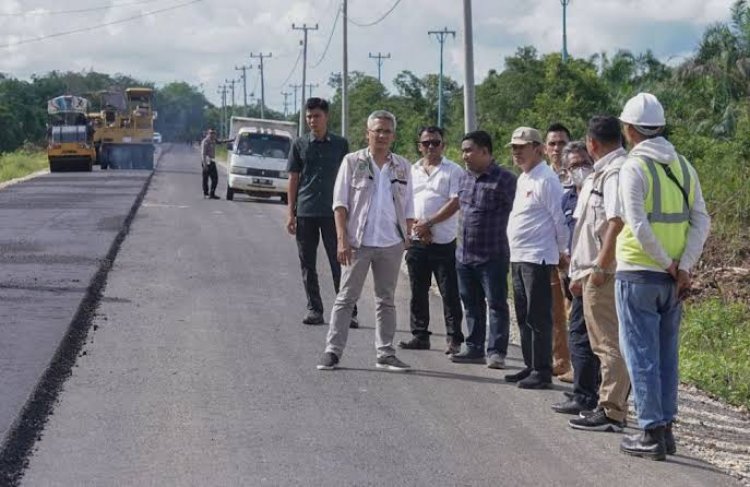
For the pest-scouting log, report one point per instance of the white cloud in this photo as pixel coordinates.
(203, 42)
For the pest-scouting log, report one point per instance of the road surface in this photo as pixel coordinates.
(198, 371)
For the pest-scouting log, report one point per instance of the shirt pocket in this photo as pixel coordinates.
(598, 217)
(487, 199)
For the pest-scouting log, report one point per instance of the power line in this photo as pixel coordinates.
(328, 44)
(95, 27)
(76, 11)
(291, 73)
(370, 24)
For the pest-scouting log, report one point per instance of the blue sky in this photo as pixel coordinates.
(201, 43)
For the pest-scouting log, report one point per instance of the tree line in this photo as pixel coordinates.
(706, 98)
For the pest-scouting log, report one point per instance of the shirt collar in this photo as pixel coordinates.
(420, 163)
(326, 137)
(604, 161)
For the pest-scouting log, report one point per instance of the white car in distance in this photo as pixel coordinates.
(257, 163)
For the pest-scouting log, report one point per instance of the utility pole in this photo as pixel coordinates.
(244, 82)
(304, 28)
(286, 96)
(470, 110)
(295, 88)
(345, 76)
(380, 58)
(231, 83)
(565, 4)
(310, 87)
(262, 81)
(223, 115)
(441, 35)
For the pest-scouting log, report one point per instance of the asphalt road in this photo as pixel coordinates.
(198, 372)
(55, 230)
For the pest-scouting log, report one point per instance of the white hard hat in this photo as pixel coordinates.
(643, 110)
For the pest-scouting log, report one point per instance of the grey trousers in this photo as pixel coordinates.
(385, 263)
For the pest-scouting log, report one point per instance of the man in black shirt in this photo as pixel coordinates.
(313, 165)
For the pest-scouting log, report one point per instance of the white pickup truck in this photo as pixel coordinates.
(258, 157)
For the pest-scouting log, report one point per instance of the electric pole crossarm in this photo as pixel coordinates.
(380, 57)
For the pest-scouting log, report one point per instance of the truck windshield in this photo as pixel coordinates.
(265, 145)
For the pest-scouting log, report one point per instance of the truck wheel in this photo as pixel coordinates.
(230, 193)
(285, 199)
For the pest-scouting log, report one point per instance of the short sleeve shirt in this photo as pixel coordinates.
(317, 161)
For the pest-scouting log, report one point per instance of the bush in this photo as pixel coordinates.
(21, 163)
(715, 349)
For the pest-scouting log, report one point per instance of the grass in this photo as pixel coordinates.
(715, 349)
(21, 163)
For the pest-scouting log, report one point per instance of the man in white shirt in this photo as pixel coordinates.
(538, 241)
(432, 251)
(373, 205)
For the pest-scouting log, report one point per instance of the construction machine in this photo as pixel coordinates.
(127, 132)
(69, 135)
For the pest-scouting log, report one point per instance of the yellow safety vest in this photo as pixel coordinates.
(667, 209)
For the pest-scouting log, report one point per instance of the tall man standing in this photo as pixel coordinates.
(373, 206)
(313, 164)
(666, 226)
(208, 164)
(592, 270)
(486, 198)
(538, 241)
(432, 251)
(557, 138)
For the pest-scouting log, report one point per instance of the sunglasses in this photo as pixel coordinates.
(428, 143)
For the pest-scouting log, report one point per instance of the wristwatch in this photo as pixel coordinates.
(429, 223)
(599, 270)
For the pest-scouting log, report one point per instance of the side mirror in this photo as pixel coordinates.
(230, 146)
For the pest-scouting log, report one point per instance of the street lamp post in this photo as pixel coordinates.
(565, 4)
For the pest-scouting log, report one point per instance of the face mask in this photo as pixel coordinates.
(578, 174)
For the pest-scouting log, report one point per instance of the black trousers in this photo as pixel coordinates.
(309, 232)
(586, 376)
(532, 297)
(423, 261)
(210, 172)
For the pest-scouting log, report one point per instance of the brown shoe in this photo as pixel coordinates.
(566, 377)
(560, 369)
(451, 347)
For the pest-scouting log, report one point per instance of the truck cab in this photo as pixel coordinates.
(257, 162)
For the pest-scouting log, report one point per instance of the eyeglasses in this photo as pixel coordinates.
(380, 132)
(433, 143)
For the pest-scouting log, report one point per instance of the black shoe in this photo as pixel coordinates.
(467, 357)
(416, 343)
(535, 380)
(649, 444)
(354, 323)
(669, 443)
(597, 422)
(570, 406)
(214, 197)
(452, 347)
(392, 363)
(586, 414)
(313, 318)
(328, 361)
(205, 195)
(518, 376)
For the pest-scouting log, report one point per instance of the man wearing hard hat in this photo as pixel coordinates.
(665, 228)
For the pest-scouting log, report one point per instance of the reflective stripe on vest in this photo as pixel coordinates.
(657, 215)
